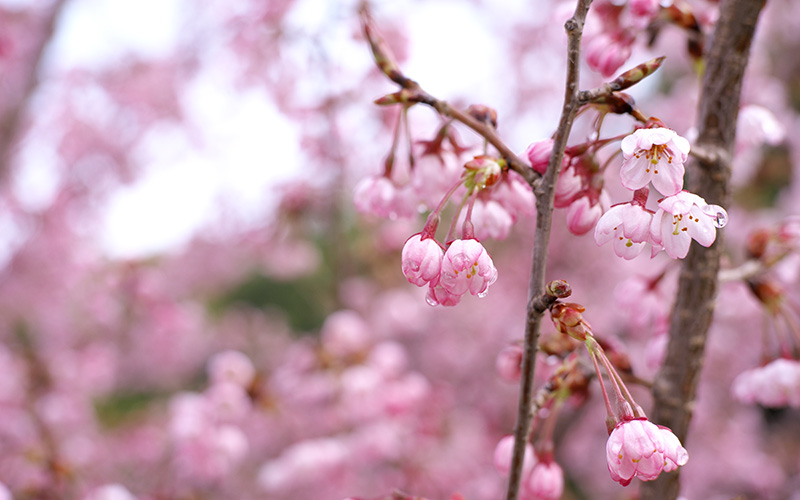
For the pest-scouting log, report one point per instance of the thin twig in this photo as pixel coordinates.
(544, 189)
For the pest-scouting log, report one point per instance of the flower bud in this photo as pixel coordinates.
(636, 74)
(568, 320)
(559, 289)
(483, 114)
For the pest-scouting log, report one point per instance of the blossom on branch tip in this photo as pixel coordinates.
(628, 226)
(467, 267)
(654, 155)
(583, 214)
(639, 448)
(682, 218)
(422, 260)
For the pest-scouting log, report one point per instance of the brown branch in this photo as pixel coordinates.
(676, 384)
(545, 193)
(11, 120)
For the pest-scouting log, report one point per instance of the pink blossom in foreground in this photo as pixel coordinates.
(545, 482)
(467, 267)
(422, 260)
(628, 226)
(774, 385)
(654, 155)
(639, 448)
(682, 218)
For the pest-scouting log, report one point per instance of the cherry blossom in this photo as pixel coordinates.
(422, 260)
(654, 155)
(682, 218)
(545, 481)
(775, 385)
(641, 449)
(628, 226)
(467, 267)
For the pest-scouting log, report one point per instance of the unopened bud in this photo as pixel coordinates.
(483, 114)
(485, 169)
(401, 96)
(618, 103)
(568, 320)
(559, 289)
(757, 244)
(636, 74)
(384, 58)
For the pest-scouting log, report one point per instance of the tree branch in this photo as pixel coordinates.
(12, 117)
(676, 384)
(544, 189)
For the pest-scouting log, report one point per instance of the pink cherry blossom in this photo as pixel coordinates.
(379, 196)
(639, 448)
(607, 52)
(422, 260)
(467, 267)
(683, 217)
(583, 214)
(654, 155)
(503, 453)
(545, 482)
(438, 296)
(774, 385)
(628, 226)
(491, 220)
(509, 362)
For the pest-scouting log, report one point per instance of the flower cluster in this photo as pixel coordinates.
(465, 266)
(656, 156)
(639, 448)
(635, 447)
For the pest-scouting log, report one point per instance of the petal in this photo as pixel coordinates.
(627, 249)
(669, 179)
(634, 173)
(701, 227)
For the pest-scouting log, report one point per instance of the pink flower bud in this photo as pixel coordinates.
(639, 448)
(546, 481)
(467, 267)
(503, 453)
(582, 215)
(774, 385)
(422, 260)
(606, 53)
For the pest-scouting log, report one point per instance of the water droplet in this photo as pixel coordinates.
(718, 214)
(483, 294)
(431, 301)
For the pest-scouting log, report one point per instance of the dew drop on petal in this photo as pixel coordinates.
(483, 294)
(431, 301)
(717, 213)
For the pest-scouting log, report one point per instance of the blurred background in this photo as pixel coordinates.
(192, 307)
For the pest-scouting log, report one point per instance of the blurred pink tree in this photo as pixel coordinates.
(288, 358)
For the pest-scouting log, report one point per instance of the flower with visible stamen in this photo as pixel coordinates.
(627, 225)
(467, 267)
(654, 155)
(682, 218)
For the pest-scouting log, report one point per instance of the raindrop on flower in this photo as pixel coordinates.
(717, 213)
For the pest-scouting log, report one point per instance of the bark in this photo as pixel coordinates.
(676, 384)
